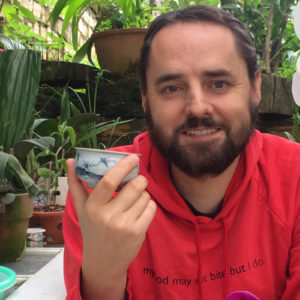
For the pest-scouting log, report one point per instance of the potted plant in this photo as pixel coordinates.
(51, 142)
(16, 205)
(19, 81)
(118, 35)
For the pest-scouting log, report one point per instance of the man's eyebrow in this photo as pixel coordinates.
(167, 77)
(217, 73)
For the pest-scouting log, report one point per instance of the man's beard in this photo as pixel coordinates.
(202, 159)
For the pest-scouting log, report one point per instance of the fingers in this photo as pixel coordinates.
(76, 186)
(129, 194)
(147, 216)
(112, 179)
(137, 208)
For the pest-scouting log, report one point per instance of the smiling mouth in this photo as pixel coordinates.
(200, 132)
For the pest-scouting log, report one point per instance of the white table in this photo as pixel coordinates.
(46, 284)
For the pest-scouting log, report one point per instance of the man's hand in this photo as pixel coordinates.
(113, 229)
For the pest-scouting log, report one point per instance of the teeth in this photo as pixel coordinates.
(202, 131)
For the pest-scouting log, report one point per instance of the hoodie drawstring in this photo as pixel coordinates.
(226, 253)
(199, 260)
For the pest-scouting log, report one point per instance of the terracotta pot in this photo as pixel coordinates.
(14, 219)
(118, 50)
(52, 222)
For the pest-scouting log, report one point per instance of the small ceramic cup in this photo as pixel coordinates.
(92, 164)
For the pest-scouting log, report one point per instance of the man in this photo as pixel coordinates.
(215, 208)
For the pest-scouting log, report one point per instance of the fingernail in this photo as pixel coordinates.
(133, 157)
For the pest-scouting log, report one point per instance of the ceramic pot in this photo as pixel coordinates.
(118, 50)
(14, 219)
(51, 221)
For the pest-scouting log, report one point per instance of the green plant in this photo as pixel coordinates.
(18, 25)
(15, 27)
(14, 179)
(176, 4)
(19, 81)
(270, 25)
(113, 14)
(49, 142)
(125, 14)
(295, 135)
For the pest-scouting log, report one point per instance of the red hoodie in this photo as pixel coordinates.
(252, 244)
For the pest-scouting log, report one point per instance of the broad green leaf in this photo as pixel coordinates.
(22, 148)
(19, 82)
(9, 11)
(72, 135)
(59, 6)
(44, 172)
(27, 13)
(75, 32)
(73, 7)
(44, 127)
(83, 50)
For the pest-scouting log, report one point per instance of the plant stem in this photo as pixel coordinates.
(268, 39)
(49, 184)
(277, 51)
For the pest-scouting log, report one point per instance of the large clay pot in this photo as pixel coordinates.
(14, 219)
(51, 221)
(118, 50)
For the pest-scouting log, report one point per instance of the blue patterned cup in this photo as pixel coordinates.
(92, 164)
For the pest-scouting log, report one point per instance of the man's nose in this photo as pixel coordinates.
(197, 102)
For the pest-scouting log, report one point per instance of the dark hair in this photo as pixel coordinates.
(201, 13)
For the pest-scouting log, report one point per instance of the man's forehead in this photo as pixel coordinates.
(197, 28)
(210, 46)
(186, 37)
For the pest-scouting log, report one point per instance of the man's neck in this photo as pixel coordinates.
(204, 194)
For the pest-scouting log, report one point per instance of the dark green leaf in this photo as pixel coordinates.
(59, 6)
(83, 50)
(19, 83)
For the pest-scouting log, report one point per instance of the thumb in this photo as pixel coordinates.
(77, 189)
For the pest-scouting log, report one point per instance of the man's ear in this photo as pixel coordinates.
(256, 88)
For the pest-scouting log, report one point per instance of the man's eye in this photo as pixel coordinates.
(171, 89)
(219, 84)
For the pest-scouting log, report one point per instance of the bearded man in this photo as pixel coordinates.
(215, 208)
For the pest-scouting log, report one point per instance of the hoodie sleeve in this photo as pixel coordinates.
(72, 251)
(73, 244)
(292, 290)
